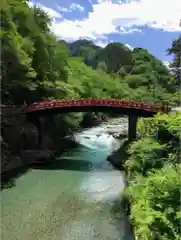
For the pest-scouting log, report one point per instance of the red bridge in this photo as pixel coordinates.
(131, 108)
(82, 105)
(99, 104)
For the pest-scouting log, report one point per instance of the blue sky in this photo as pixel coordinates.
(150, 24)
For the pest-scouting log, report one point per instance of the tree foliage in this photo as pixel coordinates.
(175, 50)
(154, 178)
(36, 66)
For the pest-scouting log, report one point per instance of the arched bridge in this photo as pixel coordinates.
(131, 108)
(81, 105)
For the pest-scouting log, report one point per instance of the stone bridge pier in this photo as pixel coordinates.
(39, 122)
(132, 123)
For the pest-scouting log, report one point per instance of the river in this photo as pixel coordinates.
(77, 197)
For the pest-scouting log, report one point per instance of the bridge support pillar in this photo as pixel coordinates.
(132, 122)
(40, 127)
(39, 123)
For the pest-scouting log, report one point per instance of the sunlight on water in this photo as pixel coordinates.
(102, 186)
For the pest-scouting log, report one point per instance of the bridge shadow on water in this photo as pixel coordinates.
(8, 179)
(75, 165)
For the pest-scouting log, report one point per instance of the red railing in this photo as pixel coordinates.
(115, 103)
(70, 103)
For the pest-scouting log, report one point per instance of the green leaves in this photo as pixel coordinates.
(115, 55)
(154, 178)
(145, 155)
(175, 51)
(135, 81)
(137, 75)
(16, 62)
(28, 50)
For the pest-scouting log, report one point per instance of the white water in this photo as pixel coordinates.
(99, 137)
(102, 184)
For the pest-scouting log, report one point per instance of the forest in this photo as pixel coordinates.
(35, 65)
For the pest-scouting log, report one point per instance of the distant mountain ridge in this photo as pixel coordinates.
(138, 66)
(114, 55)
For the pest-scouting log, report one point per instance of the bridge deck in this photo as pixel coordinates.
(71, 105)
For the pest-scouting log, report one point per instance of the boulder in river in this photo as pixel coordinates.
(66, 143)
(98, 135)
(120, 135)
(117, 158)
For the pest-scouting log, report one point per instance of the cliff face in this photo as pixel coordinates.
(19, 143)
(17, 135)
(20, 140)
(28, 136)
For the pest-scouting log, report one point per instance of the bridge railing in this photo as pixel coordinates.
(83, 102)
(97, 102)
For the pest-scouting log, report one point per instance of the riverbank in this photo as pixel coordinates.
(32, 156)
(153, 178)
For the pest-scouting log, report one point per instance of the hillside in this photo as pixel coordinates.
(140, 71)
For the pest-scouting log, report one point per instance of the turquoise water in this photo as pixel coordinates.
(77, 197)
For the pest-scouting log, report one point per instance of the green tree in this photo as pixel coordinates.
(102, 66)
(115, 55)
(17, 71)
(153, 168)
(175, 50)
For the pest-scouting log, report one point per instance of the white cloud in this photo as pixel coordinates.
(75, 6)
(101, 1)
(63, 9)
(72, 7)
(101, 41)
(129, 46)
(167, 65)
(51, 12)
(121, 18)
(126, 30)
